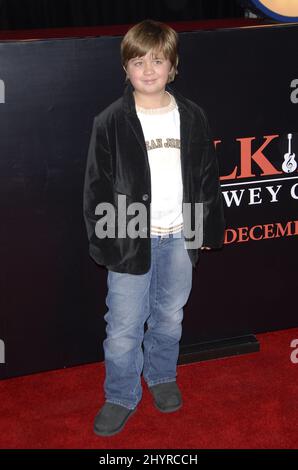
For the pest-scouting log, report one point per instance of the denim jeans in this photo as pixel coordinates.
(157, 297)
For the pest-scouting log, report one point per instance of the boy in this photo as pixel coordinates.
(150, 153)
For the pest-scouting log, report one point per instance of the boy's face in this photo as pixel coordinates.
(149, 74)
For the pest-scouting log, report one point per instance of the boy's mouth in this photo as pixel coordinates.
(148, 82)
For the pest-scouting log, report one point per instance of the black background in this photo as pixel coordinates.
(27, 14)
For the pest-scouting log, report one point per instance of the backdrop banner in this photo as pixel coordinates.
(52, 293)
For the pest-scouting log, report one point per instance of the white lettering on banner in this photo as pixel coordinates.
(294, 93)
(254, 195)
(274, 193)
(2, 91)
(234, 197)
(2, 352)
(293, 189)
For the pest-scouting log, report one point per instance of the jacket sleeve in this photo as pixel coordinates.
(98, 188)
(211, 195)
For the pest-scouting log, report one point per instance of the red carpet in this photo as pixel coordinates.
(245, 402)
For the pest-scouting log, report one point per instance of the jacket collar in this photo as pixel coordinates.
(129, 102)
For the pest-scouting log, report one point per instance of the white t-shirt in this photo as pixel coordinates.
(161, 129)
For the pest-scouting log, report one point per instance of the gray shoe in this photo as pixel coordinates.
(111, 419)
(167, 396)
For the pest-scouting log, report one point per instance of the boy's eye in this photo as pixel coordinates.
(138, 63)
(158, 61)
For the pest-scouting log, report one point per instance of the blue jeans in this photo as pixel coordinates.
(157, 297)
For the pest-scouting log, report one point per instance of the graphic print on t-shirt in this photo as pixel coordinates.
(161, 129)
(166, 143)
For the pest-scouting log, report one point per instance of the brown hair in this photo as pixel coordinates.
(151, 35)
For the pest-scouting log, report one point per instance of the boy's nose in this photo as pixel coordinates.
(148, 69)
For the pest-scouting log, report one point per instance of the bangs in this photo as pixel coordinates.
(141, 48)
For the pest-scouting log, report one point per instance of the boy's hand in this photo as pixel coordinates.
(205, 248)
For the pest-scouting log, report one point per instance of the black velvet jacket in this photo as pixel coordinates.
(117, 164)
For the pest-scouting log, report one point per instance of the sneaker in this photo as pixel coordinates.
(167, 396)
(111, 419)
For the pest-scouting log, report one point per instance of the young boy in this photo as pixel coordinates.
(152, 175)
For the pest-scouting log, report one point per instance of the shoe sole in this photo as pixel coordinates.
(112, 433)
(168, 410)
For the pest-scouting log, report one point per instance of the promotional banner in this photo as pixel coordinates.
(279, 10)
(52, 293)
